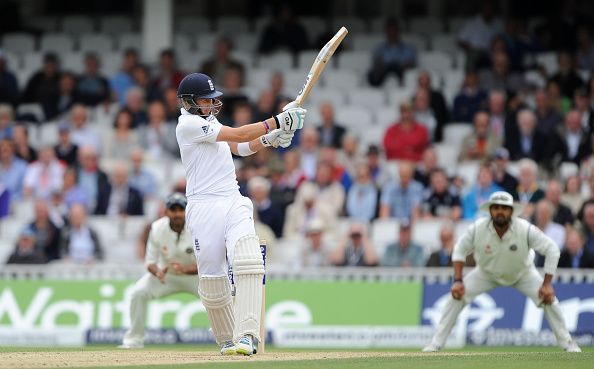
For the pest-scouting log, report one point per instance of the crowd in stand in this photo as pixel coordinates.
(303, 192)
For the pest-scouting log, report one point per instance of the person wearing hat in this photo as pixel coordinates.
(171, 266)
(503, 246)
(25, 251)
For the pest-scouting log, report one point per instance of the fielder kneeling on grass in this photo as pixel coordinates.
(503, 248)
(171, 264)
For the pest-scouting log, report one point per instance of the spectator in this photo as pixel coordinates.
(277, 87)
(266, 105)
(427, 165)
(361, 203)
(78, 241)
(67, 94)
(586, 217)
(316, 249)
(81, 133)
(501, 176)
(424, 114)
(268, 212)
(217, 65)
(4, 201)
(443, 257)
(305, 208)
(72, 192)
(168, 74)
(573, 254)
(476, 34)
(439, 201)
(65, 150)
(585, 53)
(6, 120)
(283, 32)
(572, 195)
(330, 192)
(47, 234)
(309, 149)
(518, 42)
(543, 219)
(339, 174)
(567, 77)
(501, 77)
(122, 199)
(405, 252)
(377, 167)
(479, 193)
(349, 156)
(25, 251)
(233, 96)
(122, 81)
(528, 192)
(436, 102)
(92, 88)
(530, 143)
(9, 91)
(135, 100)
(293, 174)
(559, 102)
(581, 104)
(93, 180)
(44, 176)
(407, 139)
(479, 144)
(43, 87)
(392, 56)
(12, 170)
(469, 100)
(22, 149)
(141, 75)
(140, 178)
(118, 143)
(171, 105)
(355, 249)
(330, 132)
(500, 125)
(572, 143)
(158, 138)
(401, 199)
(548, 119)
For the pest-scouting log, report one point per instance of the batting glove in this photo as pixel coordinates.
(291, 105)
(291, 119)
(277, 138)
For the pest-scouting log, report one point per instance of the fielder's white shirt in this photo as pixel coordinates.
(166, 246)
(209, 165)
(506, 259)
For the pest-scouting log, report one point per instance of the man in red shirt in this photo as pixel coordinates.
(407, 139)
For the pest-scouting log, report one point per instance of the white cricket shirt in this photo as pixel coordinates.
(165, 245)
(208, 164)
(506, 259)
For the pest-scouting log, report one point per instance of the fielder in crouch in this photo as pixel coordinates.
(503, 248)
(170, 263)
(218, 216)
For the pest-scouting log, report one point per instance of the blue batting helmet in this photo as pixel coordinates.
(197, 86)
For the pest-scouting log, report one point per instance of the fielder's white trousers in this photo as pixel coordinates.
(477, 282)
(148, 288)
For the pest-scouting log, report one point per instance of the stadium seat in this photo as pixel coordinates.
(548, 61)
(95, 42)
(444, 42)
(19, 43)
(232, 25)
(386, 116)
(370, 136)
(455, 24)
(359, 61)
(59, 43)
(318, 95)
(411, 78)
(447, 156)
(129, 40)
(34, 109)
(461, 227)
(294, 80)
(367, 42)
(568, 169)
(110, 63)
(77, 24)
(48, 133)
(418, 41)
(355, 118)
(425, 25)
(314, 26)
(454, 133)
(435, 61)
(258, 78)
(182, 42)
(468, 171)
(378, 25)
(32, 61)
(383, 232)
(367, 97)
(260, 23)
(10, 228)
(454, 78)
(400, 95)
(42, 23)
(280, 60)
(205, 42)
(426, 233)
(535, 78)
(190, 61)
(246, 42)
(192, 25)
(244, 57)
(341, 79)
(73, 62)
(116, 24)
(306, 58)
(13, 61)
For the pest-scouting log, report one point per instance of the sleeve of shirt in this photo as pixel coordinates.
(386, 192)
(30, 177)
(152, 248)
(198, 130)
(545, 246)
(464, 246)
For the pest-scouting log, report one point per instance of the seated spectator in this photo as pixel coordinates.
(585, 53)
(305, 208)
(443, 257)
(469, 100)
(500, 76)
(501, 175)
(361, 203)
(157, 138)
(22, 148)
(530, 142)
(12, 170)
(528, 192)
(233, 96)
(135, 103)
(581, 103)
(543, 219)
(339, 174)
(330, 132)
(567, 76)
(350, 156)
(402, 198)
(330, 192)
(405, 252)
(65, 150)
(171, 105)
(277, 87)
(67, 94)
(25, 251)
(309, 147)
(268, 212)
(377, 167)
(91, 87)
(391, 56)
(283, 32)
(122, 81)
(573, 254)
(72, 193)
(439, 201)
(479, 193)
(561, 213)
(140, 178)
(44, 176)
(425, 115)
(426, 166)
(476, 34)
(501, 125)
(436, 102)
(406, 139)
(78, 241)
(586, 218)
(9, 91)
(92, 180)
(6, 119)
(572, 195)
(217, 65)
(316, 249)
(355, 249)
(118, 143)
(81, 133)
(4, 201)
(141, 75)
(548, 118)
(168, 75)
(46, 232)
(572, 142)
(265, 106)
(43, 87)
(559, 102)
(293, 175)
(479, 144)
(122, 199)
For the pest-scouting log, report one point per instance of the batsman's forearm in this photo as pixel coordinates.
(153, 269)
(191, 269)
(256, 145)
(547, 279)
(458, 266)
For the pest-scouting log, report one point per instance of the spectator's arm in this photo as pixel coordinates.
(369, 254)
(337, 256)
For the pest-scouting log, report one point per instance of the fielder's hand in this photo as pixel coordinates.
(290, 120)
(457, 290)
(546, 293)
(291, 105)
(277, 138)
(161, 274)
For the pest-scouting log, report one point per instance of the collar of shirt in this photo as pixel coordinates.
(511, 230)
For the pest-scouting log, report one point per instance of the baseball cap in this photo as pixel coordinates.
(176, 199)
(501, 153)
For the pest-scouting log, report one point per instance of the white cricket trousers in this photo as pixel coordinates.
(148, 288)
(217, 224)
(477, 282)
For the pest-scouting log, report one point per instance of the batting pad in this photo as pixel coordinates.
(215, 293)
(248, 269)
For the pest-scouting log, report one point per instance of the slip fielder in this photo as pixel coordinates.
(218, 216)
(503, 248)
(171, 266)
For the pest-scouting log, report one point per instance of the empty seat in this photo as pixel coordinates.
(435, 60)
(110, 63)
(318, 95)
(182, 42)
(425, 25)
(294, 80)
(444, 42)
(246, 58)
(59, 43)
(190, 61)
(454, 133)
(359, 61)
(400, 95)
(447, 156)
(205, 42)
(41, 23)
(368, 137)
(13, 61)
(468, 171)
(384, 232)
(280, 60)
(368, 97)
(367, 42)
(48, 133)
(258, 78)
(314, 26)
(232, 25)
(192, 25)
(378, 25)
(418, 41)
(19, 43)
(385, 117)
(116, 24)
(73, 62)
(454, 79)
(548, 61)
(455, 24)
(342, 79)
(306, 58)
(129, 40)
(247, 42)
(426, 234)
(354, 117)
(95, 42)
(77, 24)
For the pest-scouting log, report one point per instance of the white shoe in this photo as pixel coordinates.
(431, 348)
(573, 347)
(228, 348)
(131, 346)
(245, 346)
